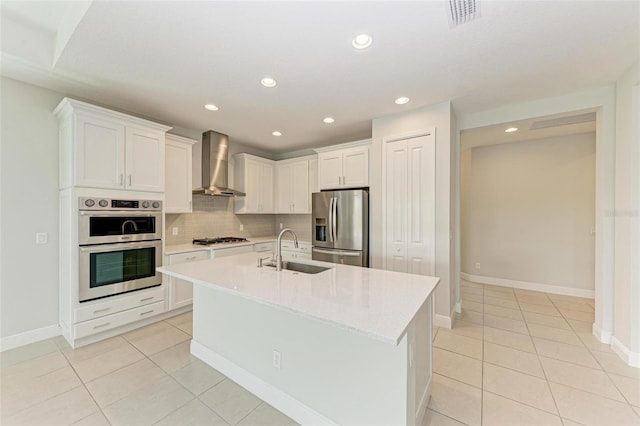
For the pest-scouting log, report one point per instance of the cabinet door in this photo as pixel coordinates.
(144, 160)
(266, 192)
(177, 184)
(355, 167)
(284, 178)
(252, 186)
(99, 161)
(330, 169)
(300, 187)
(181, 291)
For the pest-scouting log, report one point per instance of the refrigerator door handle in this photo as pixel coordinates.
(335, 219)
(337, 252)
(331, 220)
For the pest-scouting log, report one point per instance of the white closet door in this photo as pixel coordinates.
(410, 204)
(396, 203)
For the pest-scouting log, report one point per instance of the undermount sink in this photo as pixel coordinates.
(305, 268)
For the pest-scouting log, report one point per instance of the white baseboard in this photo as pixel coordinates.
(28, 337)
(443, 321)
(525, 285)
(290, 406)
(631, 358)
(603, 336)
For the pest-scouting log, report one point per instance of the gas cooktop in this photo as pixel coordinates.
(218, 240)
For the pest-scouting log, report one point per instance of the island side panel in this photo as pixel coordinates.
(423, 358)
(341, 375)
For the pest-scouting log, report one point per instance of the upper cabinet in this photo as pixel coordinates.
(178, 174)
(100, 148)
(255, 177)
(344, 166)
(292, 183)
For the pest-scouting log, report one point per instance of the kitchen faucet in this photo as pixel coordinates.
(279, 247)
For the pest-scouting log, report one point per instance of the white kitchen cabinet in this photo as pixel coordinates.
(292, 183)
(264, 247)
(255, 177)
(100, 148)
(181, 291)
(289, 250)
(345, 167)
(230, 251)
(178, 174)
(409, 200)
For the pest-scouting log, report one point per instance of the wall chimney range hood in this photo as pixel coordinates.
(215, 166)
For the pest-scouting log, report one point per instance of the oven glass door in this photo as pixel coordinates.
(111, 269)
(98, 228)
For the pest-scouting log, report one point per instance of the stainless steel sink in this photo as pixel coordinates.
(305, 268)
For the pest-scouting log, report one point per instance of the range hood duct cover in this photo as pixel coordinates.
(215, 166)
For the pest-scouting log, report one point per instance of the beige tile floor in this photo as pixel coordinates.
(144, 377)
(513, 357)
(518, 357)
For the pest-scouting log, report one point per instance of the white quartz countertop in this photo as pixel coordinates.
(379, 304)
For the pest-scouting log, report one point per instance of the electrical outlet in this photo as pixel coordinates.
(174, 230)
(241, 227)
(41, 238)
(477, 265)
(281, 226)
(276, 359)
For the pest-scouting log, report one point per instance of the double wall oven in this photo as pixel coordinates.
(120, 244)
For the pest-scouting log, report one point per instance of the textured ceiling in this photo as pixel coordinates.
(166, 59)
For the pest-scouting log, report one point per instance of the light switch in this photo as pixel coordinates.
(41, 238)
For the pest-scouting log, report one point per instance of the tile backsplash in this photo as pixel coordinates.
(214, 217)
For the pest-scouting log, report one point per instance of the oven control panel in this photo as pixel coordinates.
(89, 203)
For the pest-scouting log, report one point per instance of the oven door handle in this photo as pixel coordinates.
(119, 213)
(101, 248)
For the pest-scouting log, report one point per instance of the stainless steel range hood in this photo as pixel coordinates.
(215, 166)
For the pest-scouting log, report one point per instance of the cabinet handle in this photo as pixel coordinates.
(101, 310)
(146, 312)
(147, 298)
(102, 325)
(121, 179)
(129, 178)
(189, 259)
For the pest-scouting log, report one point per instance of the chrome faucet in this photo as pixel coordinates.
(279, 247)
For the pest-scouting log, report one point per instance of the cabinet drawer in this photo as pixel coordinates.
(230, 251)
(192, 256)
(100, 309)
(108, 322)
(262, 247)
(302, 247)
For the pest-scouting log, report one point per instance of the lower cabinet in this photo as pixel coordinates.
(230, 251)
(289, 250)
(181, 291)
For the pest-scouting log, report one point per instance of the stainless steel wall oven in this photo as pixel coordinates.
(120, 245)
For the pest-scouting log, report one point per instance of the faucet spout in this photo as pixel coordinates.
(279, 247)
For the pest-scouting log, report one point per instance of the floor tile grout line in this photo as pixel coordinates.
(456, 380)
(523, 403)
(449, 417)
(457, 353)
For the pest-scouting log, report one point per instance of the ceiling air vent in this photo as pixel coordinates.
(461, 11)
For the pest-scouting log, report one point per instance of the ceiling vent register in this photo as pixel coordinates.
(461, 11)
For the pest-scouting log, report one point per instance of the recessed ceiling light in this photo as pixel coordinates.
(276, 133)
(511, 129)
(362, 41)
(328, 120)
(268, 82)
(211, 107)
(402, 100)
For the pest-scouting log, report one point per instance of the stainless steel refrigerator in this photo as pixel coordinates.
(341, 226)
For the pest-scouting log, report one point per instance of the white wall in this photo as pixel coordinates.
(29, 204)
(529, 208)
(626, 329)
(437, 116)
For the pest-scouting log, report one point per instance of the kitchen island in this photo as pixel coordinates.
(347, 345)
